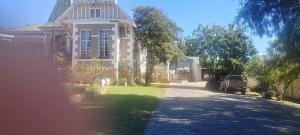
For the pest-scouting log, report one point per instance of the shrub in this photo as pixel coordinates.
(122, 81)
(212, 84)
(85, 73)
(94, 86)
(125, 73)
(275, 80)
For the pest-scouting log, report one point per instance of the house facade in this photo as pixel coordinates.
(95, 30)
(87, 30)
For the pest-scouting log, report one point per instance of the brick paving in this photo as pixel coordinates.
(189, 109)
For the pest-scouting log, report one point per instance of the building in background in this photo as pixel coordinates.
(188, 70)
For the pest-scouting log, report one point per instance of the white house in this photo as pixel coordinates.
(88, 30)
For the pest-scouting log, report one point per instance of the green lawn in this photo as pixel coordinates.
(293, 104)
(123, 110)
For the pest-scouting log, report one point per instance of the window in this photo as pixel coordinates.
(85, 42)
(128, 31)
(124, 31)
(95, 12)
(104, 45)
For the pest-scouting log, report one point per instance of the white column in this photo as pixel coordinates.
(116, 49)
(113, 11)
(77, 12)
(74, 46)
(86, 11)
(68, 46)
(73, 11)
(104, 10)
(81, 12)
(117, 12)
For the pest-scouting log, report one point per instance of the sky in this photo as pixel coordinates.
(187, 14)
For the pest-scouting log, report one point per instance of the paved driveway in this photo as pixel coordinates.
(191, 110)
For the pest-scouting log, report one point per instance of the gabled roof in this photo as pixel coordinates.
(64, 8)
(60, 7)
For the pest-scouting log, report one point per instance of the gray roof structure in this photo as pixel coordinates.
(31, 27)
(60, 7)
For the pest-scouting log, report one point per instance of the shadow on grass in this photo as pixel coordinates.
(119, 114)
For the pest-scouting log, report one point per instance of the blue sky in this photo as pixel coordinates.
(186, 13)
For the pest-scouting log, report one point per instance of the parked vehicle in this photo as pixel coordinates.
(236, 82)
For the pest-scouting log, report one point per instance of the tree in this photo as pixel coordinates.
(238, 50)
(255, 67)
(278, 79)
(223, 49)
(274, 17)
(190, 47)
(156, 33)
(280, 71)
(279, 18)
(274, 73)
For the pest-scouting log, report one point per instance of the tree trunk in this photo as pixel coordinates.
(148, 76)
(137, 64)
(149, 69)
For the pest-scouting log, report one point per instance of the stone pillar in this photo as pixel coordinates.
(116, 47)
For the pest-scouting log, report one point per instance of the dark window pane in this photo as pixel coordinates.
(85, 44)
(104, 52)
(83, 36)
(98, 13)
(92, 13)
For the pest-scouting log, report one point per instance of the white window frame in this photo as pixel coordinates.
(104, 45)
(95, 13)
(86, 45)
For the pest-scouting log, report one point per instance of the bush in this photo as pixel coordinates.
(212, 84)
(94, 86)
(85, 73)
(120, 82)
(276, 80)
(125, 73)
(248, 90)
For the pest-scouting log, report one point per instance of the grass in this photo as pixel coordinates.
(252, 92)
(293, 104)
(123, 110)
